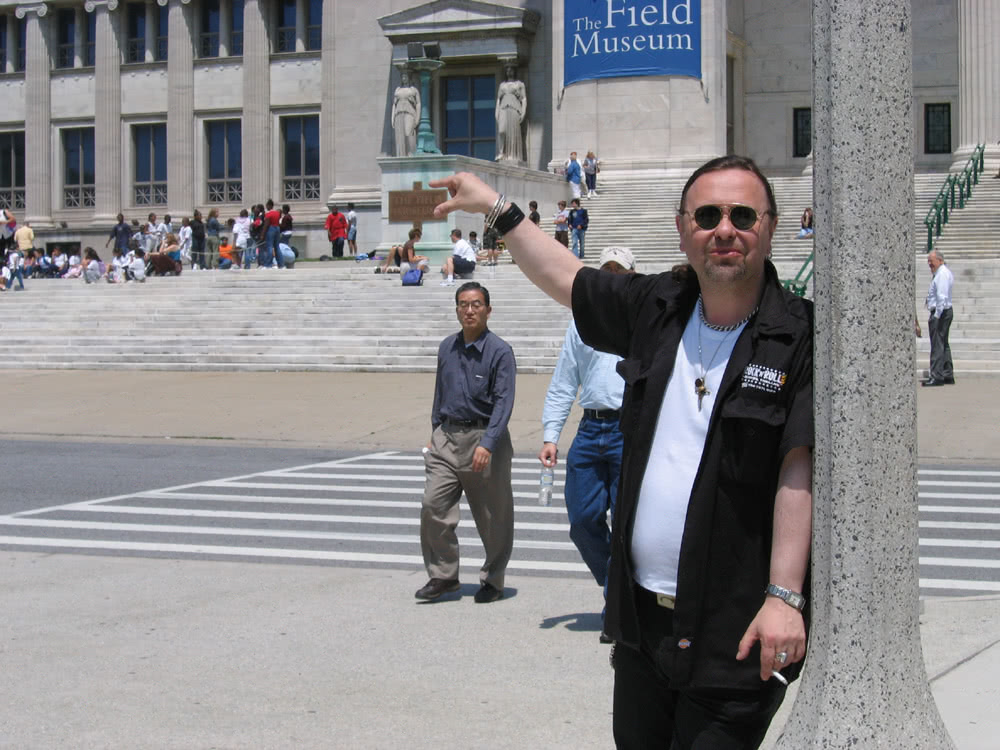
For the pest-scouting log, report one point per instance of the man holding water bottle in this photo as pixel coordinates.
(594, 461)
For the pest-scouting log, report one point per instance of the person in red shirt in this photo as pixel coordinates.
(272, 219)
(336, 230)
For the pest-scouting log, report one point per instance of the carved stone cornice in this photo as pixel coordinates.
(39, 9)
(91, 5)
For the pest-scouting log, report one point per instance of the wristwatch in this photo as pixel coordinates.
(791, 598)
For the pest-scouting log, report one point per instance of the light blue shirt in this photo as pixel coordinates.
(580, 368)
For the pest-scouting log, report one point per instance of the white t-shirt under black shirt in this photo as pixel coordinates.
(676, 455)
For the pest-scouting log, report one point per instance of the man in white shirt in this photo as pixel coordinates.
(939, 323)
(462, 260)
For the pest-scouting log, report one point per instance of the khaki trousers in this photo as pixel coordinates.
(491, 500)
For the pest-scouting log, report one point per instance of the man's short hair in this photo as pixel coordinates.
(473, 286)
(456, 233)
(732, 162)
(937, 254)
(575, 201)
(414, 233)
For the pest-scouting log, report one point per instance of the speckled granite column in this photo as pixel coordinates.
(978, 80)
(864, 685)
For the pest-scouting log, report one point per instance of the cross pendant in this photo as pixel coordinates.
(700, 390)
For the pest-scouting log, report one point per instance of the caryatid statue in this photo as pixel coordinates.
(512, 103)
(406, 116)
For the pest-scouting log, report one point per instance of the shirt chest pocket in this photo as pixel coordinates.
(479, 387)
(751, 435)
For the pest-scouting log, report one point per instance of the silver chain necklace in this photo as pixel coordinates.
(700, 387)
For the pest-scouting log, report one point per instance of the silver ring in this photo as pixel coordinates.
(781, 657)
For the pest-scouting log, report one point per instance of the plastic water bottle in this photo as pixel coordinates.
(545, 486)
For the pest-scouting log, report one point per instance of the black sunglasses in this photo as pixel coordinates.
(741, 217)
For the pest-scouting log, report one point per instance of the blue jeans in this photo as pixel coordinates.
(16, 274)
(593, 465)
(271, 241)
(578, 242)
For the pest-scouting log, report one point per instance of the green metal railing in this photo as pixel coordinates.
(800, 283)
(956, 190)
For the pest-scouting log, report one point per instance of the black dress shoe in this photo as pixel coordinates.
(436, 587)
(932, 381)
(488, 593)
(605, 638)
(949, 381)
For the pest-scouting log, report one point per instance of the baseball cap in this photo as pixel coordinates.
(620, 255)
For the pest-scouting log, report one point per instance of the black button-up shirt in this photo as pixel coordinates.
(764, 409)
(475, 381)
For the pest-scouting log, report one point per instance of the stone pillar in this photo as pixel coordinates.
(107, 110)
(328, 101)
(79, 36)
(978, 80)
(225, 26)
(301, 11)
(38, 116)
(152, 21)
(257, 150)
(864, 684)
(180, 108)
(12, 39)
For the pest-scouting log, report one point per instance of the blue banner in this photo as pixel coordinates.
(611, 38)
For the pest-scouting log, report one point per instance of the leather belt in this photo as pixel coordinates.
(467, 422)
(602, 414)
(661, 600)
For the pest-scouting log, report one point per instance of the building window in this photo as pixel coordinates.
(469, 123)
(12, 169)
(236, 28)
(78, 157)
(162, 27)
(66, 48)
(300, 149)
(150, 148)
(208, 45)
(225, 161)
(314, 27)
(284, 39)
(135, 42)
(4, 46)
(937, 128)
(22, 44)
(802, 139)
(90, 50)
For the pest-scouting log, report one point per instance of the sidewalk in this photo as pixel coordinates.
(133, 652)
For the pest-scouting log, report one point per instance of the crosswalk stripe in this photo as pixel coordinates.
(959, 472)
(948, 583)
(415, 478)
(990, 485)
(296, 554)
(970, 543)
(380, 489)
(320, 517)
(957, 509)
(959, 525)
(957, 496)
(268, 533)
(959, 562)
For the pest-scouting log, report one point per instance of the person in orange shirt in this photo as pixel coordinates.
(226, 258)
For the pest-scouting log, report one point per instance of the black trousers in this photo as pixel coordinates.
(938, 328)
(649, 715)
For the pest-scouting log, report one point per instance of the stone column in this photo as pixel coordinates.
(79, 36)
(152, 21)
(301, 10)
(107, 110)
(864, 683)
(978, 80)
(180, 108)
(11, 42)
(38, 116)
(225, 26)
(257, 150)
(328, 101)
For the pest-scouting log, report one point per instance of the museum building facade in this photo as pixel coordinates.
(138, 107)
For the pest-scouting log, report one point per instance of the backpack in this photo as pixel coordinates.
(413, 277)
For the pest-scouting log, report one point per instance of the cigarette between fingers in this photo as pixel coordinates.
(779, 677)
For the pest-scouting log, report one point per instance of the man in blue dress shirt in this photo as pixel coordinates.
(470, 450)
(595, 457)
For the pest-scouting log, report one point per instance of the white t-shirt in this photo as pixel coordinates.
(464, 250)
(184, 240)
(676, 455)
(138, 269)
(241, 230)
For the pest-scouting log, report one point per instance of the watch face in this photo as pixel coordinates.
(796, 600)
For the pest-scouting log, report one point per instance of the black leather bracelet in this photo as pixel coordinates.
(508, 219)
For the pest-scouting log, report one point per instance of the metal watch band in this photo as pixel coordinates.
(508, 219)
(791, 598)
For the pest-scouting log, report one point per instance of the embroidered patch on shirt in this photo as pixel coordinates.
(763, 378)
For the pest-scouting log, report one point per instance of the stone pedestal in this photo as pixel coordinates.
(864, 683)
(979, 81)
(519, 184)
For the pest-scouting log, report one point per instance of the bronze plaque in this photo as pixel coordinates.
(415, 205)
